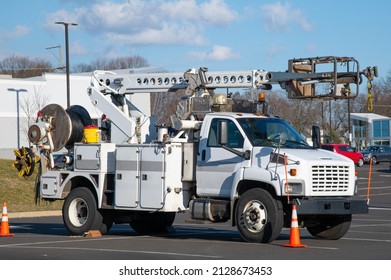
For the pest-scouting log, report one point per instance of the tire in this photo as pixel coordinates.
(374, 160)
(107, 220)
(331, 227)
(259, 217)
(156, 222)
(80, 212)
(360, 162)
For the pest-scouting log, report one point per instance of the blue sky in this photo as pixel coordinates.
(218, 34)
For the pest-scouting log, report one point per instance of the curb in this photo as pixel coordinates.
(35, 214)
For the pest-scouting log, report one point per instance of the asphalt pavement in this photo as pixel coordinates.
(42, 236)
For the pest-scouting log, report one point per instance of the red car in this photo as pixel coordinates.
(346, 150)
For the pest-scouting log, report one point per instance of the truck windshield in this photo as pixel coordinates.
(272, 132)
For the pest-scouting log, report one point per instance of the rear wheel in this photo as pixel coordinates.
(259, 217)
(331, 227)
(156, 222)
(360, 162)
(80, 212)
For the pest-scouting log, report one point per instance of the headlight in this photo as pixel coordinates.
(294, 187)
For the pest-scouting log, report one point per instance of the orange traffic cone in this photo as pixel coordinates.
(294, 241)
(5, 230)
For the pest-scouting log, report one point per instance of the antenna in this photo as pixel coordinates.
(59, 58)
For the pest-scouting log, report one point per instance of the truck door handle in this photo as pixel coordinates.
(203, 155)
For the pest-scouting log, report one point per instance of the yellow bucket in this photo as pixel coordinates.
(91, 134)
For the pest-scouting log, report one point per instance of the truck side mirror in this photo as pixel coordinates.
(222, 133)
(315, 136)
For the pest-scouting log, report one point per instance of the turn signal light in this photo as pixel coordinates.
(261, 97)
(293, 172)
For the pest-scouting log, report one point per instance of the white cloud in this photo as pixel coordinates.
(166, 35)
(214, 12)
(217, 12)
(280, 17)
(77, 48)
(176, 22)
(18, 31)
(62, 16)
(218, 53)
(310, 47)
(274, 50)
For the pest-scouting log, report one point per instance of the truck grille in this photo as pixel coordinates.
(330, 178)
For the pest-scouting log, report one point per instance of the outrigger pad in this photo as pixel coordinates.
(25, 161)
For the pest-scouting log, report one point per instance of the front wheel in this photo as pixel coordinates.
(331, 227)
(360, 162)
(80, 212)
(259, 217)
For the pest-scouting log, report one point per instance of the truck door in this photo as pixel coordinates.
(216, 166)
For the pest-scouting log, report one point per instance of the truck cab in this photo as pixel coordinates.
(264, 157)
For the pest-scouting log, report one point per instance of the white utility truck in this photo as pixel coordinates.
(215, 163)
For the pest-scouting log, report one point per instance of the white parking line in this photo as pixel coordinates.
(371, 225)
(367, 239)
(374, 194)
(377, 188)
(45, 245)
(380, 208)
(324, 248)
(116, 251)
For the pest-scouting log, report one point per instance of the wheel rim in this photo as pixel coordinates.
(78, 212)
(254, 216)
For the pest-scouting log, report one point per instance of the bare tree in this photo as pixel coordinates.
(30, 105)
(381, 95)
(359, 104)
(302, 114)
(164, 104)
(23, 67)
(381, 98)
(124, 62)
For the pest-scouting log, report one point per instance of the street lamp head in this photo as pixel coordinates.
(65, 23)
(17, 90)
(53, 47)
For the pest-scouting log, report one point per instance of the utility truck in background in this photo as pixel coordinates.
(215, 162)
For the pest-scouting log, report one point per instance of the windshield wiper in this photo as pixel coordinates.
(300, 143)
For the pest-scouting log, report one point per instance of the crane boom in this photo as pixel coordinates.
(299, 81)
(191, 80)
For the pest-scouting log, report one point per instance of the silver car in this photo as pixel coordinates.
(377, 153)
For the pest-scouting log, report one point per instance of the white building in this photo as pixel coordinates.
(371, 129)
(46, 89)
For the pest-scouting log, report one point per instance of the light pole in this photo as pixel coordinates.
(66, 24)
(17, 112)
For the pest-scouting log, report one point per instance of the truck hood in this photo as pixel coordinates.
(308, 156)
(314, 155)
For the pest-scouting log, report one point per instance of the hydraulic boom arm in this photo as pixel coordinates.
(304, 74)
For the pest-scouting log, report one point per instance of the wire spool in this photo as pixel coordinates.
(67, 126)
(80, 118)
